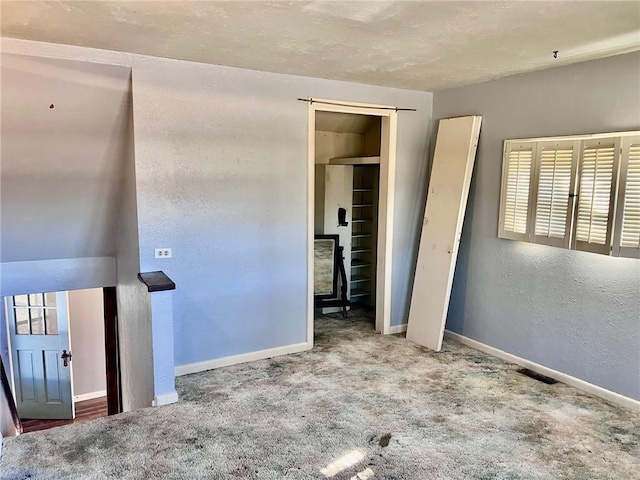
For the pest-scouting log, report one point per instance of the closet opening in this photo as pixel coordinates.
(351, 178)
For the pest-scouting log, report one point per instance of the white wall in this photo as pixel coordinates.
(61, 167)
(335, 145)
(134, 303)
(86, 324)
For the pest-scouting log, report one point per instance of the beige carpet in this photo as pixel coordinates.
(359, 406)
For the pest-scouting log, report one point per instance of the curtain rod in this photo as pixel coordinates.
(397, 109)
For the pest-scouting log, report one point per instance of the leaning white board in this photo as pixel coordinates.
(453, 161)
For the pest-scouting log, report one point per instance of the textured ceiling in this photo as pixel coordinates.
(416, 45)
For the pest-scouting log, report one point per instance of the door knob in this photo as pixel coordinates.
(66, 358)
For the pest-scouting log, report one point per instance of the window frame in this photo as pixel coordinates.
(564, 242)
(508, 148)
(622, 142)
(607, 247)
(625, 153)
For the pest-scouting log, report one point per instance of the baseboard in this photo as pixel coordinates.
(398, 329)
(559, 376)
(89, 396)
(242, 358)
(165, 399)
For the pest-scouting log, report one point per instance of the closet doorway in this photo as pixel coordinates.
(351, 165)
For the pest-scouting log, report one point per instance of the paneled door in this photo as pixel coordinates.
(39, 330)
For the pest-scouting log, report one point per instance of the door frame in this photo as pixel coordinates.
(386, 200)
(112, 351)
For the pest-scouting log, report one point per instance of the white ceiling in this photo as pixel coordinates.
(415, 45)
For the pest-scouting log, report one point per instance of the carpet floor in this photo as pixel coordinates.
(358, 406)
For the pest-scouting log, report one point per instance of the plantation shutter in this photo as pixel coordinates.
(516, 190)
(597, 180)
(556, 170)
(627, 243)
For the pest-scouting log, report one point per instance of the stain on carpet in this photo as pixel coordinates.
(384, 440)
(359, 405)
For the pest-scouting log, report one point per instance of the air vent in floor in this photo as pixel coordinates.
(537, 376)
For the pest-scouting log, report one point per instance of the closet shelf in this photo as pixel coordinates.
(361, 220)
(359, 278)
(361, 235)
(363, 189)
(359, 292)
(357, 263)
(362, 205)
(360, 250)
(355, 160)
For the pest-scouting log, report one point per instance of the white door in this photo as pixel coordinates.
(39, 331)
(453, 161)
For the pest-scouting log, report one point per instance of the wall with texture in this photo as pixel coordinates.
(86, 324)
(221, 169)
(61, 170)
(221, 178)
(221, 174)
(61, 174)
(133, 302)
(575, 312)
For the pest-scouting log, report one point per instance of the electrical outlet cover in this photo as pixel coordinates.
(163, 253)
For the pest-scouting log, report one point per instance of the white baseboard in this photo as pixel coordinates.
(89, 396)
(398, 329)
(165, 399)
(559, 376)
(242, 358)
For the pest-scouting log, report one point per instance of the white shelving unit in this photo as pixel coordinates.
(363, 231)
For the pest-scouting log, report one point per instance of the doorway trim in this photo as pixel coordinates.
(111, 351)
(386, 200)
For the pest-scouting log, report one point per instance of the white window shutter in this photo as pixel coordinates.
(556, 165)
(627, 238)
(516, 193)
(597, 181)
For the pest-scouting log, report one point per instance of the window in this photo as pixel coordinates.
(556, 171)
(580, 192)
(35, 314)
(516, 181)
(627, 238)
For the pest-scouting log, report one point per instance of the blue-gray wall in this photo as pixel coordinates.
(221, 177)
(221, 172)
(575, 312)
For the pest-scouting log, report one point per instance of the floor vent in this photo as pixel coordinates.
(537, 376)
